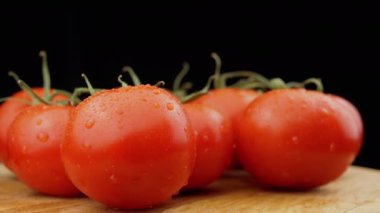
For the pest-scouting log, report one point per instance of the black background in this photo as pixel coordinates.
(339, 44)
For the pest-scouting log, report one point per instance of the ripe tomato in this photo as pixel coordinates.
(214, 139)
(298, 139)
(231, 102)
(10, 109)
(130, 147)
(34, 140)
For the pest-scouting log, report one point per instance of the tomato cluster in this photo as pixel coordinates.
(133, 147)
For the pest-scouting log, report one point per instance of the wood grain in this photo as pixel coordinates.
(358, 190)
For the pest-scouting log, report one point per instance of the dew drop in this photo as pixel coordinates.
(325, 111)
(39, 122)
(23, 150)
(42, 137)
(87, 145)
(295, 140)
(169, 106)
(113, 178)
(156, 105)
(89, 124)
(205, 137)
(332, 147)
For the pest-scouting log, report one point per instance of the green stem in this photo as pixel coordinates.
(14, 75)
(45, 75)
(254, 85)
(120, 80)
(315, 81)
(251, 77)
(181, 75)
(35, 98)
(159, 84)
(74, 99)
(135, 79)
(218, 67)
(196, 94)
(89, 86)
(277, 83)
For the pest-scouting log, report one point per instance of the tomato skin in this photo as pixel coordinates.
(231, 102)
(130, 147)
(34, 142)
(8, 111)
(214, 139)
(299, 139)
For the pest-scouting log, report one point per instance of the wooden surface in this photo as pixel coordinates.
(358, 190)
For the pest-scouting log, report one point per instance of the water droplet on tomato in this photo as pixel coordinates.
(113, 178)
(205, 137)
(332, 147)
(295, 140)
(89, 124)
(42, 137)
(169, 106)
(23, 149)
(87, 145)
(325, 111)
(39, 122)
(156, 105)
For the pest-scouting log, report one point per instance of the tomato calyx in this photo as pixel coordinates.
(135, 78)
(49, 94)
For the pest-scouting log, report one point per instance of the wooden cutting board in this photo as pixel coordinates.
(358, 190)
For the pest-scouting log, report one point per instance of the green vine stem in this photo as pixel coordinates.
(159, 84)
(45, 75)
(199, 93)
(35, 98)
(135, 79)
(88, 83)
(179, 78)
(314, 81)
(120, 80)
(218, 67)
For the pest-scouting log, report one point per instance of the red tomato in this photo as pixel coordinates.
(299, 139)
(231, 102)
(34, 140)
(129, 147)
(10, 109)
(214, 139)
